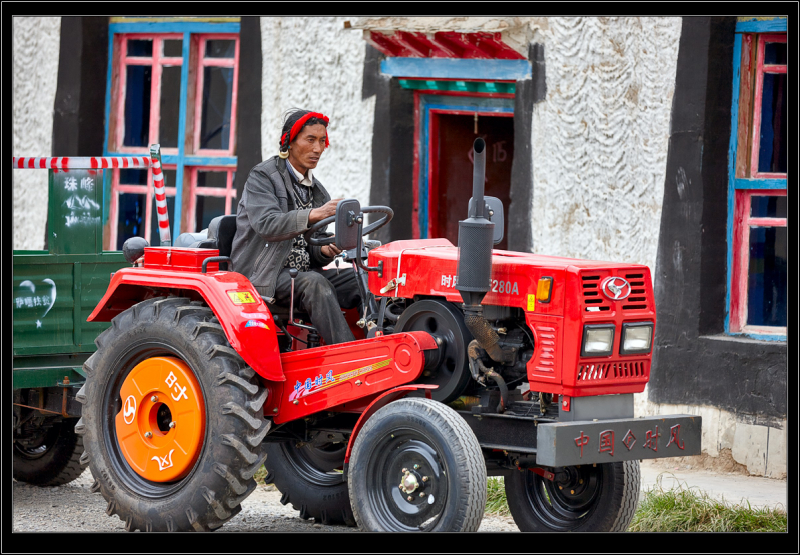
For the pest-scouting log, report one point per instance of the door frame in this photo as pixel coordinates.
(427, 106)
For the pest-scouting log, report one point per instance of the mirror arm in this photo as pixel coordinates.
(359, 245)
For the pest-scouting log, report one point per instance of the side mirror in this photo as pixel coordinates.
(133, 248)
(347, 233)
(493, 212)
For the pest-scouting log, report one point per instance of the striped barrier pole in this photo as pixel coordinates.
(161, 196)
(80, 163)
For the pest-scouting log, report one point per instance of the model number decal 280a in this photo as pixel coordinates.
(505, 287)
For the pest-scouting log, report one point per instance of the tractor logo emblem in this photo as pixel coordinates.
(165, 462)
(129, 410)
(616, 288)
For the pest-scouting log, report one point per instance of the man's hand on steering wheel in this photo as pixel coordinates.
(330, 250)
(325, 211)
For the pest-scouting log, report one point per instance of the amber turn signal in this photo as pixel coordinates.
(543, 289)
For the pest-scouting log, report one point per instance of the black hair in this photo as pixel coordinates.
(290, 117)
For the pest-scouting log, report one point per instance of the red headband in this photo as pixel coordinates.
(298, 125)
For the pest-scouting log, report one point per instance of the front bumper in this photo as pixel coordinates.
(624, 439)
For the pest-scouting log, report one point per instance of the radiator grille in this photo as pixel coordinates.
(611, 371)
(595, 301)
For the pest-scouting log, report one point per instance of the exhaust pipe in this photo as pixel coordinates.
(475, 242)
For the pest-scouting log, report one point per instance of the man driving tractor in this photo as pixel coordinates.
(280, 201)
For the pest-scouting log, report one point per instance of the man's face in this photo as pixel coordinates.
(307, 147)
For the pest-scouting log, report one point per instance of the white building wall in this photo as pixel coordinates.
(600, 137)
(316, 64)
(34, 79)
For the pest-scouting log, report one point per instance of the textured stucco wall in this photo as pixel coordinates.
(317, 64)
(600, 137)
(35, 52)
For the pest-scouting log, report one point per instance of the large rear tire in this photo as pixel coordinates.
(308, 479)
(225, 409)
(52, 456)
(584, 498)
(417, 466)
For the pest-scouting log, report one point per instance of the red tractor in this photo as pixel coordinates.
(470, 362)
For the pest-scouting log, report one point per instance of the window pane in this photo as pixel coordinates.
(173, 48)
(775, 53)
(133, 177)
(155, 238)
(207, 208)
(220, 48)
(766, 286)
(141, 48)
(131, 215)
(215, 127)
(137, 106)
(170, 106)
(768, 207)
(772, 144)
(212, 179)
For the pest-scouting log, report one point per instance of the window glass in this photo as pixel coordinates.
(137, 105)
(130, 217)
(173, 48)
(775, 53)
(212, 179)
(766, 287)
(768, 207)
(215, 127)
(772, 153)
(133, 177)
(142, 48)
(170, 106)
(220, 48)
(207, 208)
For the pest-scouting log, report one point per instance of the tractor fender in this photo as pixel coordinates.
(243, 315)
(379, 402)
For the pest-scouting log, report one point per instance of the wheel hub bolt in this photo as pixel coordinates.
(148, 434)
(422, 494)
(410, 498)
(416, 467)
(405, 470)
(154, 398)
(172, 424)
(424, 478)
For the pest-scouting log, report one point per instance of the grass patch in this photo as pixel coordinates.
(676, 510)
(260, 474)
(692, 510)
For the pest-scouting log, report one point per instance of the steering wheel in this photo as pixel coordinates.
(317, 242)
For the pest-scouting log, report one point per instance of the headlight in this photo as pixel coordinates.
(598, 340)
(637, 338)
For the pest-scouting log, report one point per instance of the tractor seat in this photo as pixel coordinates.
(219, 235)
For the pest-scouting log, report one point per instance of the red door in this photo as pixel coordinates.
(451, 168)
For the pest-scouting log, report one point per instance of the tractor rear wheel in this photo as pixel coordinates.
(310, 478)
(417, 466)
(172, 418)
(584, 498)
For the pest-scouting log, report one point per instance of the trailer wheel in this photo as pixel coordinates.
(310, 478)
(417, 466)
(584, 498)
(51, 455)
(172, 417)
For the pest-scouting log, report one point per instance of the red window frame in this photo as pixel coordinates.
(761, 69)
(743, 221)
(202, 62)
(113, 210)
(229, 192)
(157, 61)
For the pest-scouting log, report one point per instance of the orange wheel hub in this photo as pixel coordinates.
(161, 426)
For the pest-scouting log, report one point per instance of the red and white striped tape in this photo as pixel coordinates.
(76, 163)
(161, 202)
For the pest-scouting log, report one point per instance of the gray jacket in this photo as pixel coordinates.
(266, 223)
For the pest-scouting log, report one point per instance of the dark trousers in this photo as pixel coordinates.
(322, 294)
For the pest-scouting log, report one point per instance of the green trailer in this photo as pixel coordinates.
(54, 291)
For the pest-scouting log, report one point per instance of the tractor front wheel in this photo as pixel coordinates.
(583, 498)
(310, 478)
(172, 418)
(417, 466)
